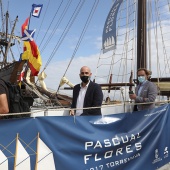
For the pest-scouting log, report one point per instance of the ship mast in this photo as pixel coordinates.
(7, 41)
(2, 16)
(141, 35)
(161, 82)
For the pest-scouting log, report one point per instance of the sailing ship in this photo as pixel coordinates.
(10, 71)
(133, 36)
(119, 53)
(118, 47)
(44, 156)
(127, 34)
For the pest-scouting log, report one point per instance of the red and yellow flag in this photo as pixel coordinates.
(31, 53)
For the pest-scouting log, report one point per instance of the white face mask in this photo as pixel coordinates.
(141, 79)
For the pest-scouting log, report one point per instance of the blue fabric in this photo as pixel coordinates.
(109, 31)
(127, 141)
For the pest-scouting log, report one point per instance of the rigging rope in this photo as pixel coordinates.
(54, 110)
(82, 35)
(83, 32)
(156, 42)
(54, 29)
(43, 21)
(126, 43)
(163, 42)
(69, 24)
(127, 9)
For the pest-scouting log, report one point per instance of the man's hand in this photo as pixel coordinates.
(132, 96)
(72, 112)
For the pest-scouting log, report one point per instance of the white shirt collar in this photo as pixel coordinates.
(86, 84)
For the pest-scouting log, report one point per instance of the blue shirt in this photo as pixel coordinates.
(140, 87)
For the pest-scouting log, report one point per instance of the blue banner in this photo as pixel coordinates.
(126, 141)
(109, 31)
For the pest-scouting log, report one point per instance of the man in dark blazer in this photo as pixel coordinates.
(85, 95)
(145, 92)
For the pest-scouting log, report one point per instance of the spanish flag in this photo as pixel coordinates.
(32, 54)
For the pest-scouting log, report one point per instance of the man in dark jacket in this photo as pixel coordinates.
(85, 95)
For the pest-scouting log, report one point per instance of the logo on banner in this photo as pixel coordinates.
(157, 112)
(23, 156)
(166, 152)
(157, 158)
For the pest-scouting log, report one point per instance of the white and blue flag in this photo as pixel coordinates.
(36, 10)
(28, 35)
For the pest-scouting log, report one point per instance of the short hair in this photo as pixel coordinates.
(147, 72)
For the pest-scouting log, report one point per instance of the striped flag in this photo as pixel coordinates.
(24, 26)
(22, 74)
(36, 10)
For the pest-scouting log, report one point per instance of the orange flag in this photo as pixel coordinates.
(24, 25)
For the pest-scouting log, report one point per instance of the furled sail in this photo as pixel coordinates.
(109, 31)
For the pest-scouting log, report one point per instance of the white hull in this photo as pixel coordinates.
(106, 110)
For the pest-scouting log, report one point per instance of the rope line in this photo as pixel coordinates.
(83, 32)
(43, 20)
(67, 28)
(126, 103)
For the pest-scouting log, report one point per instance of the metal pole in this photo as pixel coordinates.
(46, 112)
(141, 35)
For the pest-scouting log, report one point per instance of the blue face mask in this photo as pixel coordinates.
(141, 79)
